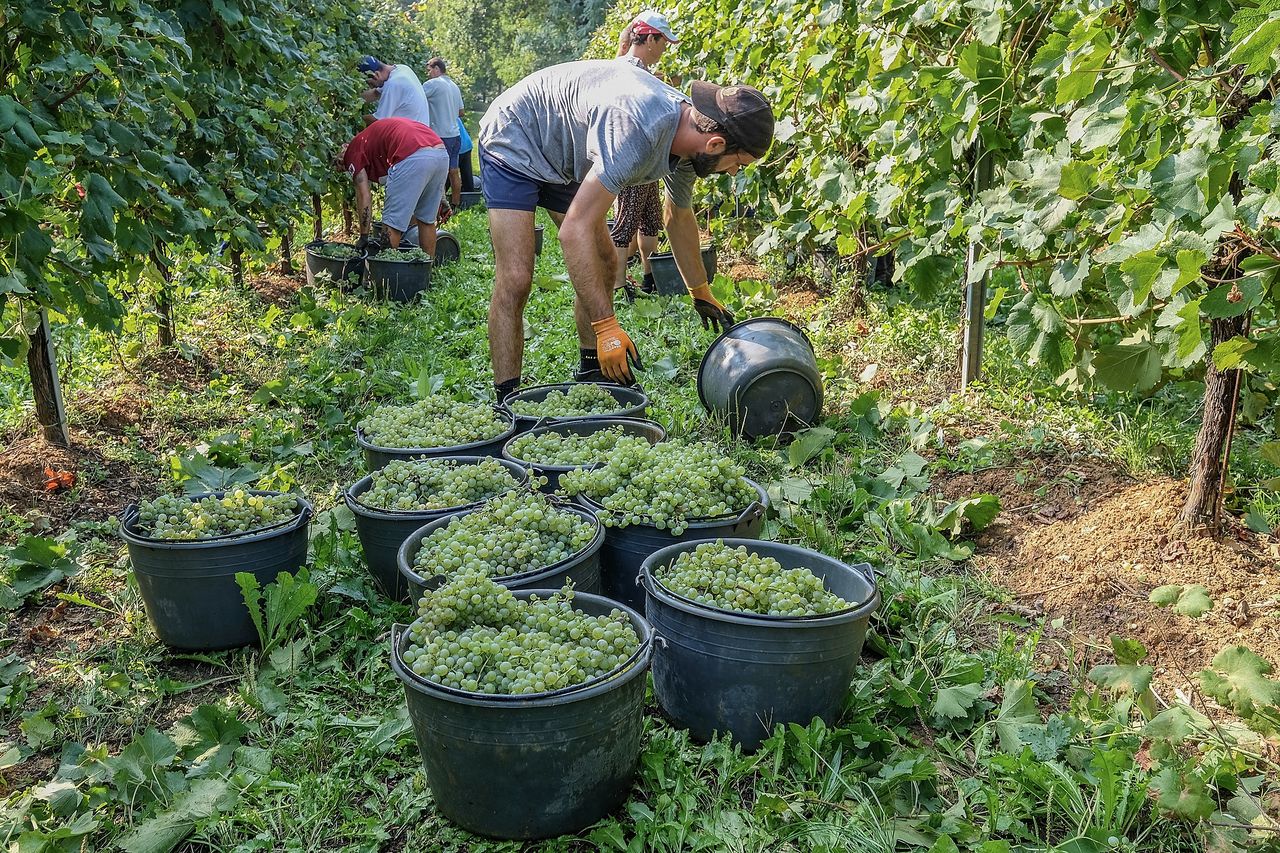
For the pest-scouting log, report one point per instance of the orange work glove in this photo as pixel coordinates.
(713, 314)
(615, 350)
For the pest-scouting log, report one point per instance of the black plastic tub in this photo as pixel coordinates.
(651, 430)
(666, 276)
(471, 199)
(743, 674)
(339, 270)
(399, 280)
(448, 249)
(632, 403)
(539, 233)
(376, 456)
(626, 548)
(189, 587)
(583, 568)
(531, 766)
(763, 375)
(382, 531)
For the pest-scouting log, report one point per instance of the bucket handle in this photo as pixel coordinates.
(752, 513)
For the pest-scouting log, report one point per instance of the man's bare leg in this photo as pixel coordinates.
(511, 232)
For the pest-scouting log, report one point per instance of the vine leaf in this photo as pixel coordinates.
(1182, 796)
(1190, 600)
(1128, 367)
(1238, 680)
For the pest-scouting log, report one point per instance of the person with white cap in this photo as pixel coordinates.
(568, 138)
(396, 90)
(639, 208)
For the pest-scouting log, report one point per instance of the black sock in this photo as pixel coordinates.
(502, 389)
(647, 283)
(588, 359)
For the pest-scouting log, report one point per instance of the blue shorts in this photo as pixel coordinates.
(506, 189)
(452, 144)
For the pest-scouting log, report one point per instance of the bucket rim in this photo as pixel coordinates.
(702, 396)
(635, 666)
(639, 402)
(412, 543)
(426, 262)
(755, 508)
(653, 587)
(449, 450)
(129, 517)
(597, 424)
(359, 487)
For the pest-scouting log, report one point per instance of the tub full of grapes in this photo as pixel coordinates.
(574, 401)
(756, 634)
(433, 426)
(650, 496)
(401, 497)
(341, 263)
(186, 550)
(555, 449)
(523, 539)
(527, 705)
(400, 274)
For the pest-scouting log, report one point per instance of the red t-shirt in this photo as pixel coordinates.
(386, 142)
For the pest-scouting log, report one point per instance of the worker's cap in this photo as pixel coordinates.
(742, 110)
(649, 22)
(368, 65)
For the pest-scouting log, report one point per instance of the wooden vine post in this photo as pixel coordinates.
(286, 252)
(975, 302)
(317, 215)
(42, 364)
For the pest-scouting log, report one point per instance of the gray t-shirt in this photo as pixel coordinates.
(594, 117)
(445, 100)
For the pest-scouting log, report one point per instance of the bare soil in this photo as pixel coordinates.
(275, 288)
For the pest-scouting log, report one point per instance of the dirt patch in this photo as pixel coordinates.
(1096, 564)
(118, 408)
(274, 288)
(747, 270)
(102, 485)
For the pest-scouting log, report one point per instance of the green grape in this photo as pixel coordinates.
(554, 448)
(584, 398)
(335, 251)
(409, 254)
(473, 634)
(174, 517)
(741, 580)
(432, 422)
(515, 533)
(428, 484)
(665, 485)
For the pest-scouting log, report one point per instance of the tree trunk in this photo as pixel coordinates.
(237, 267)
(43, 367)
(286, 252)
(167, 334)
(1208, 460)
(317, 214)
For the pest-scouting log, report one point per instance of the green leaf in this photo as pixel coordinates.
(1176, 181)
(1128, 367)
(1176, 724)
(251, 592)
(1076, 180)
(1122, 677)
(1217, 302)
(1238, 680)
(1182, 796)
(1141, 270)
(1068, 276)
(808, 444)
(1230, 354)
(972, 514)
(956, 700)
(1190, 600)
(1083, 77)
(164, 831)
(1270, 451)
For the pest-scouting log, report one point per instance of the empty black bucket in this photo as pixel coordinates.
(538, 234)
(382, 531)
(471, 199)
(448, 250)
(763, 375)
(189, 587)
(626, 548)
(530, 767)
(399, 280)
(719, 671)
(651, 430)
(375, 456)
(339, 270)
(632, 403)
(583, 568)
(666, 277)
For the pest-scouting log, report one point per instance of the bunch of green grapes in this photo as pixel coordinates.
(521, 531)
(585, 398)
(335, 251)
(553, 448)
(432, 422)
(666, 485)
(412, 253)
(173, 517)
(741, 580)
(472, 634)
(425, 484)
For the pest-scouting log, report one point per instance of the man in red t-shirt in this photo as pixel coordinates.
(415, 165)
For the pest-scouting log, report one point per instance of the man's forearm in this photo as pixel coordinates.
(364, 203)
(592, 262)
(686, 244)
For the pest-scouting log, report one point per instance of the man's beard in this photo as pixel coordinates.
(705, 164)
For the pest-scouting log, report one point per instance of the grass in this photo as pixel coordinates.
(952, 738)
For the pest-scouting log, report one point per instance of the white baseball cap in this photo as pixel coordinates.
(650, 21)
